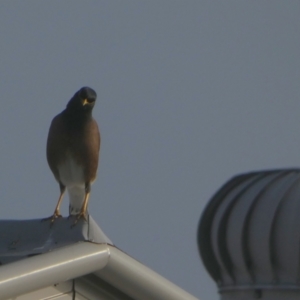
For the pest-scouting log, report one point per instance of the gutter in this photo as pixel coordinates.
(69, 262)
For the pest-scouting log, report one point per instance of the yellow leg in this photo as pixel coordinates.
(56, 213)
(85, 203)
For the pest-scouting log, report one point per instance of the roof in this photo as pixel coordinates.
(35, 256)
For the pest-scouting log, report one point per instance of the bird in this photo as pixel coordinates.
(73, 148)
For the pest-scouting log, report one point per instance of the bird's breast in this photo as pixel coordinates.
(70, 172)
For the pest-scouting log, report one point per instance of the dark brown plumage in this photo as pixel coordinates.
(73, 151)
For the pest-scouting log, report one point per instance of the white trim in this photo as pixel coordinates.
(105, 261)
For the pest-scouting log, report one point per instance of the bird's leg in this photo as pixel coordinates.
(56, 213)
(83, 211)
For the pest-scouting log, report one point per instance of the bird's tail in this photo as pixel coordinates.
(76, 198)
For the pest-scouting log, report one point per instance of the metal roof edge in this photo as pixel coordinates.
(105, 261)
(137, 280)
(46, 269)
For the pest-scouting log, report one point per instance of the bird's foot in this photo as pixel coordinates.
(82, 215)
(52, 218)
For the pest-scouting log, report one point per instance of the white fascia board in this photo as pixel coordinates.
(105, 261)
(46, 269)
(138, 281)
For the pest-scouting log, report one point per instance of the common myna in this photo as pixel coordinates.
(73, 151)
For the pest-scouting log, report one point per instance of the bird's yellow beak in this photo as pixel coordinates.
(84, 102)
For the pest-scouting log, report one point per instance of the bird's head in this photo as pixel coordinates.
(83, 100)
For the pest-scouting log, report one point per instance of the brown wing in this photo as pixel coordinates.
(88, 153)
(57, 144)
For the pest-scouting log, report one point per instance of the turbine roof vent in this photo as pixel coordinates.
(249, 235)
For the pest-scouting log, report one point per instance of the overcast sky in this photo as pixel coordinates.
(190, 93)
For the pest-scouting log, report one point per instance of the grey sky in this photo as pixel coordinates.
(189, 94)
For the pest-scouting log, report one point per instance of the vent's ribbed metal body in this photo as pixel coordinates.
(249, 236)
